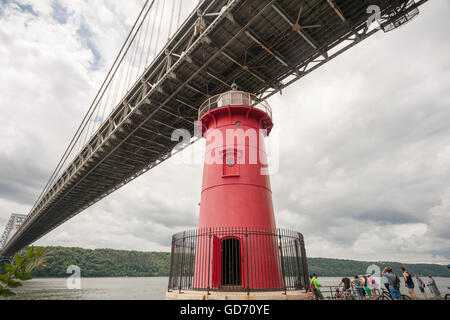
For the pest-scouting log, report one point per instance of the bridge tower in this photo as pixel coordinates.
(14, 224)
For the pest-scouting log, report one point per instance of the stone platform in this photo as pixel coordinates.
(213, 295)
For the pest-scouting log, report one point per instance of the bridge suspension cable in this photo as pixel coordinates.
(141, 45)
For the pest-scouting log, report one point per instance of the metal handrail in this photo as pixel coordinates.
(234, 98)
(330, 292)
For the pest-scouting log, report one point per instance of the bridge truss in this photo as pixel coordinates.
(13, 225)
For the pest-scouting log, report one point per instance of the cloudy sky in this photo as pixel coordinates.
(364, 168)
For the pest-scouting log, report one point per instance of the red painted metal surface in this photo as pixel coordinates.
(236, 193)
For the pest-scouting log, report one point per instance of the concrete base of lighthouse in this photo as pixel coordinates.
(239, 296)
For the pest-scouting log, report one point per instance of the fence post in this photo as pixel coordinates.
(246, 261)
(209, 260)
(282, 262)
(191, 265)
(300, 274)
(182, 262)
(305, 263)
(171, 284)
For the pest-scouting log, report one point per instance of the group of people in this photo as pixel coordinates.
(365, 286)
(392, 284)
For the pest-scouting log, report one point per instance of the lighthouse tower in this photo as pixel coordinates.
(237, 247)
(236, 188)
(236, 197)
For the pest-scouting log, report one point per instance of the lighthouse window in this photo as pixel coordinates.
(230, 164)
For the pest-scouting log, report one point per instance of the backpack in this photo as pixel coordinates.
(396, 283)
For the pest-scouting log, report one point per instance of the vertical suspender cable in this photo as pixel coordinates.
(171, 20)
(94, 104)
(180, 8)
(132, 58)
(160, 25)
(151, 37)
(144, 45)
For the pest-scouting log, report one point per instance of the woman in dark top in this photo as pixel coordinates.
(409, 282)
(346, 282)
(346, 291)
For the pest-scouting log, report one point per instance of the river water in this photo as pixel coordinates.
(130, 288)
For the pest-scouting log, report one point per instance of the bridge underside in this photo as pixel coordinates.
(262, 45)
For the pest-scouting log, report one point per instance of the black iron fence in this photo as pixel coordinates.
(238, 259)
(337, 293)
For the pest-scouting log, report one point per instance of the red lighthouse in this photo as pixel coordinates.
(237, 247)
(236, 188)
(236, 197)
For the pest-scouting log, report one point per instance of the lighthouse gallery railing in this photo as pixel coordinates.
(234, 98)
(238, 259)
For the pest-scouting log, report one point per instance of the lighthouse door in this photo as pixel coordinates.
(231, 262)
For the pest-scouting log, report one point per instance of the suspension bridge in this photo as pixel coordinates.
(156, 86)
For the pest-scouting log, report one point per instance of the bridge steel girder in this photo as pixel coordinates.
(195, 64)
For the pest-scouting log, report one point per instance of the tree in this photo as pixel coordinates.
(22, 269)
